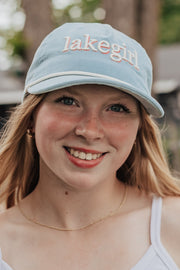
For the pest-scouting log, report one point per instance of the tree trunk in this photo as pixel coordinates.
(136, 18)
(38, 24)
(147, 27)
(121, 15)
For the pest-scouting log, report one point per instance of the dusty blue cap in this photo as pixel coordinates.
(92, 53)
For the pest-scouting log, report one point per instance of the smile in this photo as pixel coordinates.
(83, 155)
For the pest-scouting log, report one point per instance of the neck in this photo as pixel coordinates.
(54, 203)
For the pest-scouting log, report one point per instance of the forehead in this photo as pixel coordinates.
(88, 90)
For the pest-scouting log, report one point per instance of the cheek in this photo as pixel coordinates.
(52, 124)
(125, 131)
(46, 126)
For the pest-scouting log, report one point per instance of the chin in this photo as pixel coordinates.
(83, 182)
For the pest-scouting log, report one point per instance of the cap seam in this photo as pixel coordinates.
(83, 73)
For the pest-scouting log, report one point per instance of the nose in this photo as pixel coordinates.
(90, 128)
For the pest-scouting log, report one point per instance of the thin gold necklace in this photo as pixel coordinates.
(112, 213)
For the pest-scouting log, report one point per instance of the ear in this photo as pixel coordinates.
(31, 125)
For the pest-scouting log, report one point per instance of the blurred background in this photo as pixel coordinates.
(154, 23)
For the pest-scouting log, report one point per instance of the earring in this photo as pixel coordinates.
(30, 133)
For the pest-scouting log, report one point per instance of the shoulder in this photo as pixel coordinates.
(8, 236)
(9, 227)
(8, 217)
(170, 230)
(171, 213)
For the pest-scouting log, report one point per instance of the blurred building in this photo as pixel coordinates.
(11, 88)
(167, 84)
(167, 91)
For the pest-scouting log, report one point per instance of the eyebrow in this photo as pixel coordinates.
(120, 92)
(120, 95)
(70, 91)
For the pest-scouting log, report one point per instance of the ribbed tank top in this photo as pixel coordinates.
(156, 257)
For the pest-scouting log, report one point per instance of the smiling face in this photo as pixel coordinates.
(85, 133)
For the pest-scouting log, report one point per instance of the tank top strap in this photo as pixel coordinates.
(155, 234)
(3, 264)
(155, 227)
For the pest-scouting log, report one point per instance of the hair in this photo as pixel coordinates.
(19, 158)
(146, 167)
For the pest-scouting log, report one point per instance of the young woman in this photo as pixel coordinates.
(83, 172)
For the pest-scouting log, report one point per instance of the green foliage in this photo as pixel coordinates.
(169, 31)
(78, 11)
(170, 21)
(18, 44)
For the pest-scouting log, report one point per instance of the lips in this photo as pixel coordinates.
(83, 157)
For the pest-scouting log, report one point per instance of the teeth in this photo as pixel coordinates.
(94, 156)
(83, 155)
(89, 156)
(72, 151)
(76, 154)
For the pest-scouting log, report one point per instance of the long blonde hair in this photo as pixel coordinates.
(146, 166)
(19, 159)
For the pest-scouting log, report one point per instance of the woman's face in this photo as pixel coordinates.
(85, 133)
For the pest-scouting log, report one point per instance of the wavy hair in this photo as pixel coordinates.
(146, 167)
(19, 158)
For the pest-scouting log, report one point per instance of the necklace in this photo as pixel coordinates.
(112, 213)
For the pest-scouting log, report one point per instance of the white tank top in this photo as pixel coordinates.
(156, 257)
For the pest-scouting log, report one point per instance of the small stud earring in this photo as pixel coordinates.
(30, 133)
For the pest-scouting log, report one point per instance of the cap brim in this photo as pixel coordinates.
(59, 82)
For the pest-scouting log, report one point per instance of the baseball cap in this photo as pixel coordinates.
(92, 53)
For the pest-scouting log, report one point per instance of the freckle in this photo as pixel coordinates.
(66, 193)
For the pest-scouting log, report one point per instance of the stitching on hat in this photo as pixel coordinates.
(82, 73)
(104, 47)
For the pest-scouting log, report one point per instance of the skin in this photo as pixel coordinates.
(91, 123)
(73, 194)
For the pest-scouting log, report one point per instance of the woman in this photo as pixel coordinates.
(83, 172)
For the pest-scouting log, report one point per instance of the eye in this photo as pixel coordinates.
(119, 108)
(66, 100)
